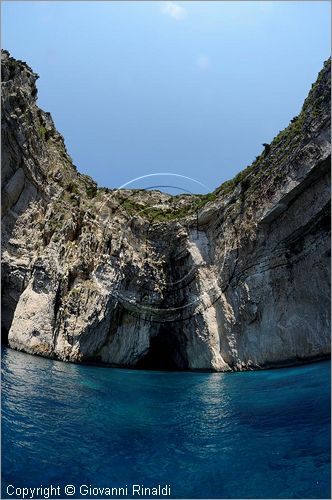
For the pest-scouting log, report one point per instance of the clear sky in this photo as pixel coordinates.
(192, 88)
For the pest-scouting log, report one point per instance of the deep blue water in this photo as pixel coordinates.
(240, 435)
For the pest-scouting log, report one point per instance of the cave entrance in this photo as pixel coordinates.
(166, 352)
(4, 336)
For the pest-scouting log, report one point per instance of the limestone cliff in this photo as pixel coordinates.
(238, 279)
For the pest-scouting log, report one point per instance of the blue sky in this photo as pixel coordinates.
(192, 88)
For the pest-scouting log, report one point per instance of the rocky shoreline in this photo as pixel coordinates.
(234, 280)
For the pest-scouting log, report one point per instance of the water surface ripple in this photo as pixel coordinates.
(209, 435)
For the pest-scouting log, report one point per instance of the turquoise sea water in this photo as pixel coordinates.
(207, 435)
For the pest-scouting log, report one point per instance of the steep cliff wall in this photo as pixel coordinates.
(238, 279)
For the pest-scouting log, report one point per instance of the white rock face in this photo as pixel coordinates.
(147, 280)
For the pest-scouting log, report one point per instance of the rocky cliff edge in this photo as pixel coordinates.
(234, 280)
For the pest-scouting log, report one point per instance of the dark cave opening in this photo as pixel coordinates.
(166, 352)
(4, 336)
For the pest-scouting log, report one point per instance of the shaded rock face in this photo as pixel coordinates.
(235, 280)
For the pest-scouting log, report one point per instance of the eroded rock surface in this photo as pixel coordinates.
(238, 279)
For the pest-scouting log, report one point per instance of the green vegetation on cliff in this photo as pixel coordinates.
(80, 192)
